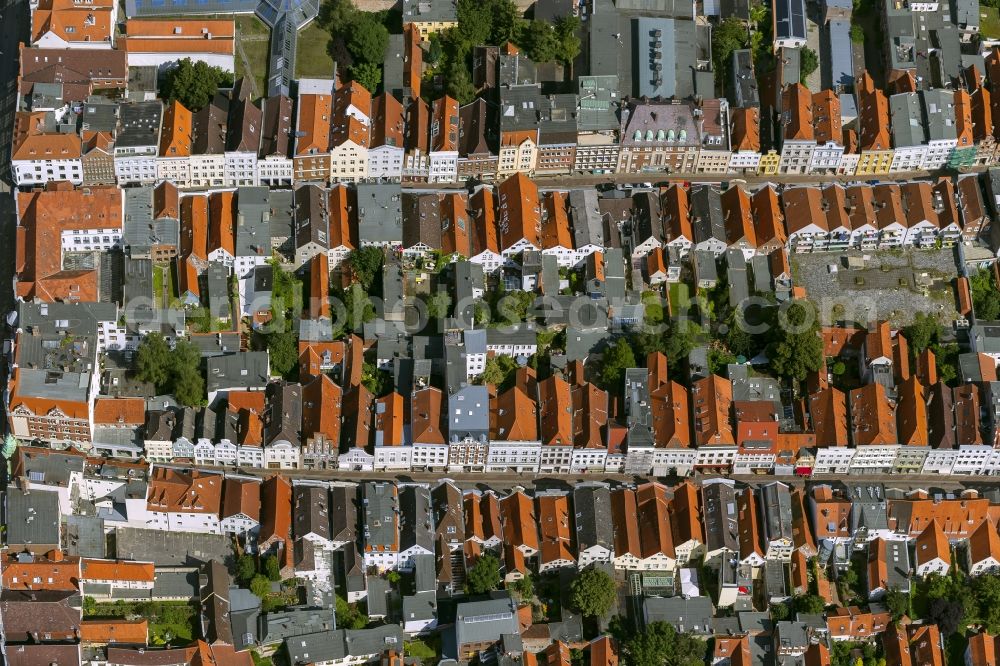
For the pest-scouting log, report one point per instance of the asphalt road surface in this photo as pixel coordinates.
(507, 481)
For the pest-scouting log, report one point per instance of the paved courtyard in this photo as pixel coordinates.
(887, 284)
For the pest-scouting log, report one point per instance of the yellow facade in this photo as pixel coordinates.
(769, 163)
(428, 28)
(874, 162)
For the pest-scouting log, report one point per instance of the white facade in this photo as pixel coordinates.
(385, 162)
(164, 60)
(513, 456)
(39, 172)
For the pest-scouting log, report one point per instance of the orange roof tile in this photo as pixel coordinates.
(389, 419)
(554, 526)
(555, 229)
(104, 631)
(73, 22)
(520, 211)
(745, 130)
(517, 518)
(175, 35)
(873, 115)
(222, 220)
(53, 571)
(116, 570)
(44, 215)
(175, 137)
(313, 124)
(174, 491)
(797, 113)
(712, 397)
(119, 411)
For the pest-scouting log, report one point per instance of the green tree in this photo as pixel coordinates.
(780, 612)
(152, 360)
(186, 380)
(272, 568)
(376, 380)
(348, 616)
(660, 645)
(367, 74)
(617, 358)
(368, 38)
(523, 587)
(897, 603)
(857, 34)
(809, 604)
(986, 593)
(194, 84)
(260, 585)
(730, 36)
(438, 305)
(809, 63)
(838, 368)
(508, 22)
(798, 347)
(484, 575)
(592, 593)
(365, 264)
(922, 333)
(498, 370)
(246, 569)
(282, 349)
(985, 295)
(459, 83)
(358, 307)
(541, 41)
(475, 21)
(719, 360)
(567, 29)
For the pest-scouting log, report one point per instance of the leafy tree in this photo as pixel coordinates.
(616, 360)
(367, 74)
(376, 380)
(393, 578)
(358, 307)
(719, 360)
(948, 614)
(459, 83)
(798, 347)
(348, 616)
(592, 593)
(511, 307)
(839, 368)
(857, 34)
(498, 371)
(272, 568)
(152, 360)
(922, 333)
(731, 35)
(524, 587)
(246, 568)
(194, 84)
(475, 21)
(986, 592)
(809, 62)
(368, 38)
(282, 349)
(541, 41)
(438, 305)
(780, 612)
(260, 585)
(985, 295)
(897, 603)
(484, 575)
(507, 21)
(809, 604)
(567, 29)
(660, 645)
(365, 264)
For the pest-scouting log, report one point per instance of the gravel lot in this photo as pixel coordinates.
(894, 284)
